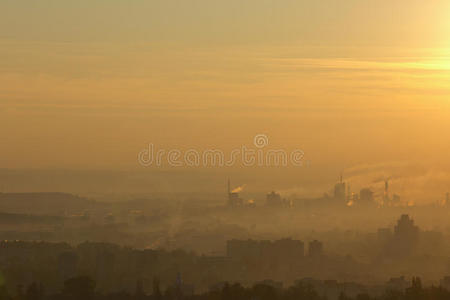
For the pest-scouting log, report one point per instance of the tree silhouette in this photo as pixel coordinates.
(157, 295)
(415, 292)
(78, 288)
(264, 292)
(139, 293)
(342, 296)
(4, 293)
(34, 292)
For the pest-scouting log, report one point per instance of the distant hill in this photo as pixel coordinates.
(8, 218)
(43, 203)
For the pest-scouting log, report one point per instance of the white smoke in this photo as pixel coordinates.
(415, 183)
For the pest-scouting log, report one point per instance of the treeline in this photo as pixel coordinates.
(84, 288)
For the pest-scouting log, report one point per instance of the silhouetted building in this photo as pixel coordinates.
(214, 262)
(233, 197)
(405, 229)
(181, 288)
(315, 248)
(398, 284)
(353, 199)
(406, 236)
(67, 265)
(234, 200)
(339, 191)
(366, 197)
(105, 264)
(445, 282)
(285, 249)
(386, 198)
(274, 199)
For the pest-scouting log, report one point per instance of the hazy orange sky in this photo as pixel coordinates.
(88, 84)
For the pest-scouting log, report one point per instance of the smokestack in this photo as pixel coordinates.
(386, 189)
(386, 200)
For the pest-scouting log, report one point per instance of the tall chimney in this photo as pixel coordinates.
(386, 187)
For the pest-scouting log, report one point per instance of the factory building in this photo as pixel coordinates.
(339, 191)
(233, 196)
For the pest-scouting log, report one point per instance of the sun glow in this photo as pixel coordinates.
(440, 60)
